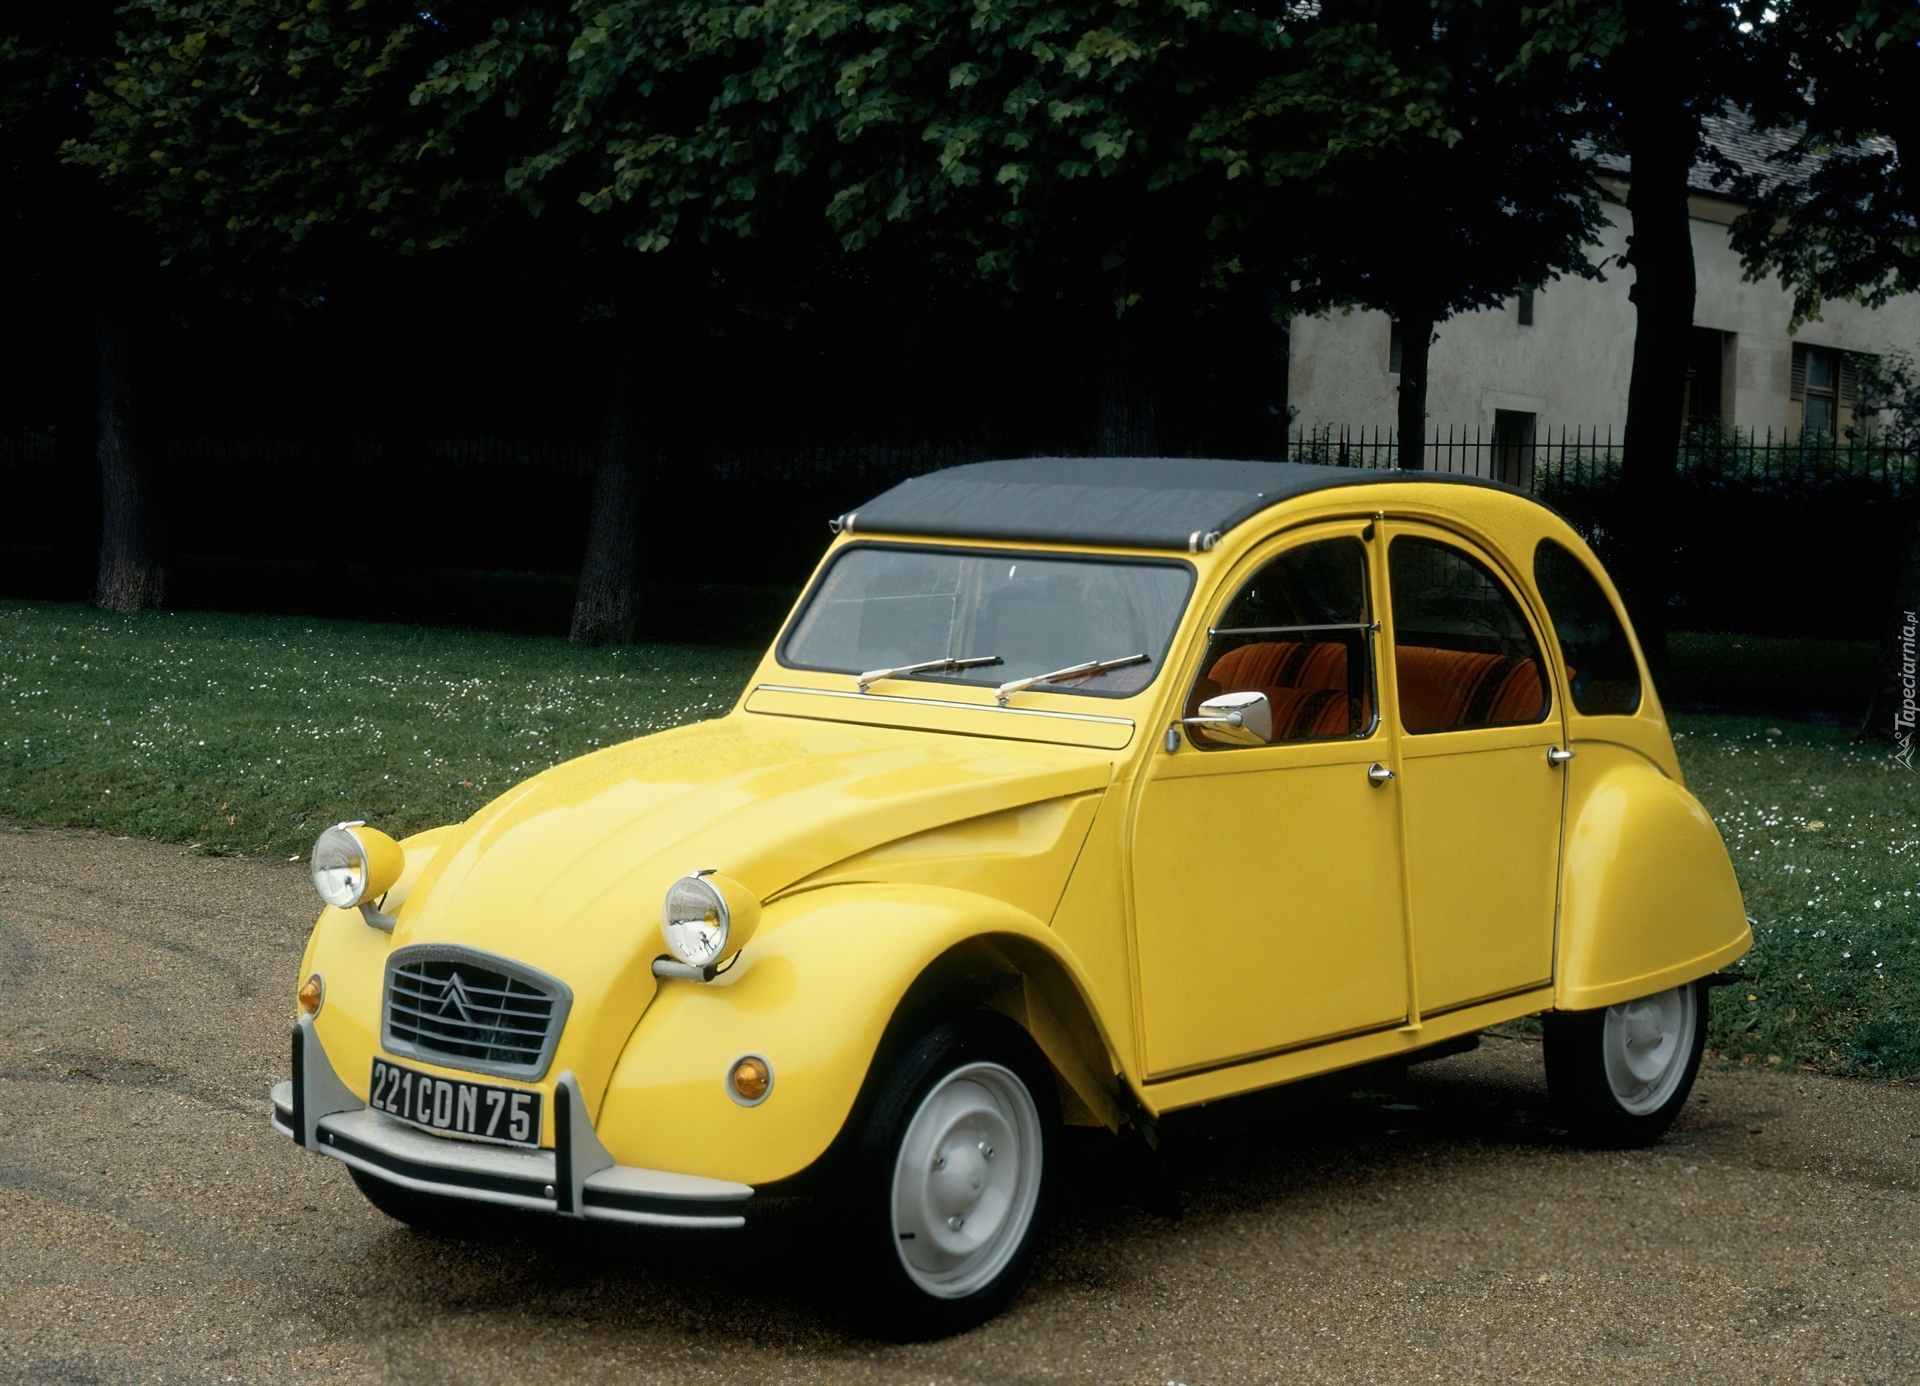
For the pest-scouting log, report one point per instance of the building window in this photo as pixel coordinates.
(1526, 307)
(1394, 339)
(1824, 386)
(1706, 349)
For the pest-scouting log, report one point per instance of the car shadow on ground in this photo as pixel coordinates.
(771, 1285)
(1357, 1126)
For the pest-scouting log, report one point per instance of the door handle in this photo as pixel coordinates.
(1378, 774)
(1557, 757)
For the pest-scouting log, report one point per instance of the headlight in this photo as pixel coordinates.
(353, 863)
(705, 917)
(695, 921)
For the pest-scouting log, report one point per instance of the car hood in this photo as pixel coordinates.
(766, 800)
(566, 871)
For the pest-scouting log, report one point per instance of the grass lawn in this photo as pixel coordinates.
(249, 734)
(1825, 835)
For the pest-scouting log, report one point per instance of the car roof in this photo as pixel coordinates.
(1181, 503)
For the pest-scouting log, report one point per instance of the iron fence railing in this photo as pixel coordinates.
(1581, 459)
(1552, 461)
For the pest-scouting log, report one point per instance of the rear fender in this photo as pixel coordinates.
(1650, 899)
(815, 994)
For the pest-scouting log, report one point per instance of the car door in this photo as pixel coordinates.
(1480, 795)
(1267, 897)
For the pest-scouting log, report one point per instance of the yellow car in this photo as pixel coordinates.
(1074, 791)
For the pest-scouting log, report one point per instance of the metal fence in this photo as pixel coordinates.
(1770, 534)
(1576, 459)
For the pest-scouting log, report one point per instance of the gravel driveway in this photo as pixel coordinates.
(1396, 1226)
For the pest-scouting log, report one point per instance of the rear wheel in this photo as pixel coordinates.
(1618, 1077)
(949, 1186)
(458, 1218)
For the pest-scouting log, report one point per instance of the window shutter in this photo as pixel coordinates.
(1849, 380)
(1799, 389)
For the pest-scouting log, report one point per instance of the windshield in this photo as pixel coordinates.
(881, 607)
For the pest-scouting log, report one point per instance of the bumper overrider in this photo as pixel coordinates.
(577, 1178)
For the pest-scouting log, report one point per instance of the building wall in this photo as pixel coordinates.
(1571, 367)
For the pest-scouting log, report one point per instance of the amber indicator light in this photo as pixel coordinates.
(312, 991)
(750, 1078)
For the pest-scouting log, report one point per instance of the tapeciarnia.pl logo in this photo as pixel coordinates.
(1903, 718)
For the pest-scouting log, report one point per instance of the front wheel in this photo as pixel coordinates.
(1618, 1077)
(949, 1181)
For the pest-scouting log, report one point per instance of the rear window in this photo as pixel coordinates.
(1601, 669)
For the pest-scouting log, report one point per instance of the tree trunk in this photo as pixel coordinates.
(1662, 137)
(1283, 371)
(1890, 708)
(132, 575)
(1127, 424)
(606, 604)
(77, 456)
(1416, 342)
(675, 567)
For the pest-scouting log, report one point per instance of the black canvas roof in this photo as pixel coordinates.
(1183, 503)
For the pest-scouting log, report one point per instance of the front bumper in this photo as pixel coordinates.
(578, 1178)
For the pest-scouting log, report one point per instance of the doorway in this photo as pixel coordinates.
(1513, 445)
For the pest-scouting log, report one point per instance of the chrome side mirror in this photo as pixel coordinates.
(1235, 719)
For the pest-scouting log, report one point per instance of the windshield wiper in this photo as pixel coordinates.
(945, 665)
(1097, 666)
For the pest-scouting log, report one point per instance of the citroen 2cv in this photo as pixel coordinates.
(1073, 791)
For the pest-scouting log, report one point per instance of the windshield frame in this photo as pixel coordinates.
(1087, 690)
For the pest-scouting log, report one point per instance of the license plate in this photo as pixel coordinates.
(508, 1115)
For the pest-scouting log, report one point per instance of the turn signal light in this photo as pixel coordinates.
(312, 992)
(749, 1080)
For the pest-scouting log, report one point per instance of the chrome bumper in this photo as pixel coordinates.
(576, 1179)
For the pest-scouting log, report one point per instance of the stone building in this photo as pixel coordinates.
(1560, 355)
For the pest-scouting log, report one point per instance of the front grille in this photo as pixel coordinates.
(472, 1010)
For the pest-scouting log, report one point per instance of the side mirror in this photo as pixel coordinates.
(1235, 719)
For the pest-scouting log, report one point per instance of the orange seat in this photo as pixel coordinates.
(1305, 682)
(1283, 664)
(1299, 714)
(1441, 690)
(1305, 714)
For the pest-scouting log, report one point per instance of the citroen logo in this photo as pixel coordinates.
(454, 998)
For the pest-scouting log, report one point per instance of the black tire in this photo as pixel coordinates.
(459, 1219)
(877, 1288)
(1602, 1106)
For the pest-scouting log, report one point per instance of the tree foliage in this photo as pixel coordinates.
(988, 124)
(1839, 216)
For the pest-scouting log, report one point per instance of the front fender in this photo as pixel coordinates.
(813, 993)
(353, 957)
(1650, 899)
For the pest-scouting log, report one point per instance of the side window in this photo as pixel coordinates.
(1298, 633)
(1464, 655)
(1593, 638)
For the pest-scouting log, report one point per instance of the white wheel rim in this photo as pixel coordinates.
(967, 1181)
(1646, 1045)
